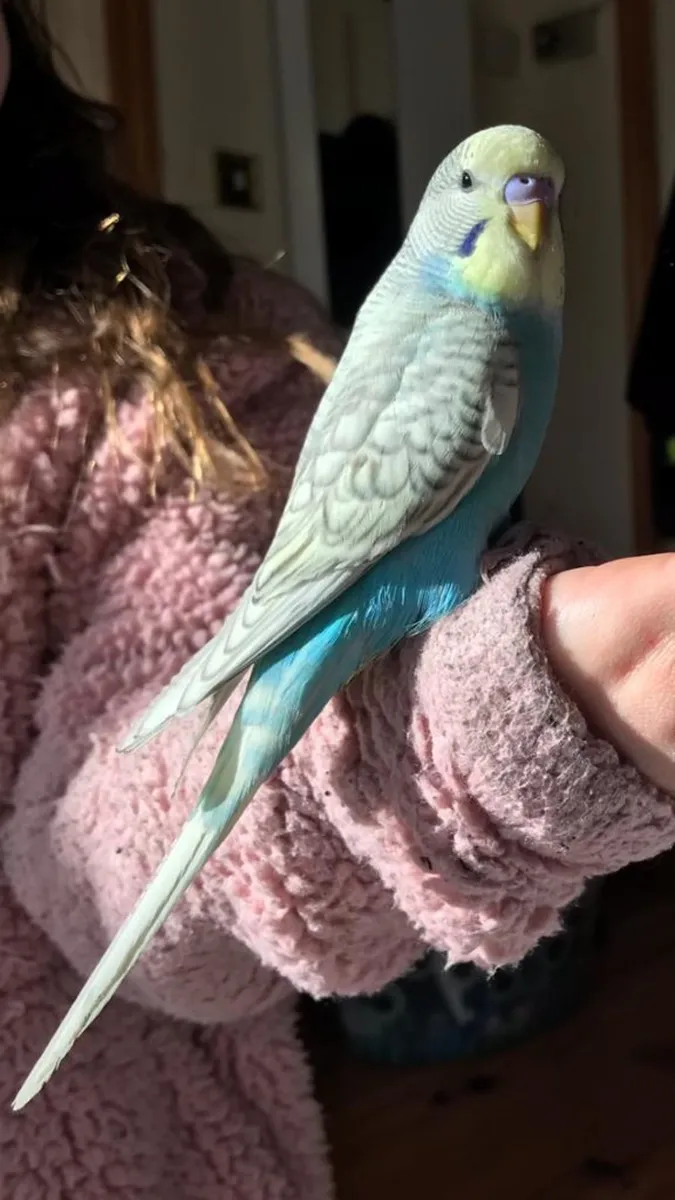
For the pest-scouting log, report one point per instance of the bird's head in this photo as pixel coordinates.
(489, 222)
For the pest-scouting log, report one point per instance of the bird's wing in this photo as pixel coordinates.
(403, 432)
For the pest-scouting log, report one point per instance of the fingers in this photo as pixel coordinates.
(609, 633)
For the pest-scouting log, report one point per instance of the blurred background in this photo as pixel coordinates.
(308, 129)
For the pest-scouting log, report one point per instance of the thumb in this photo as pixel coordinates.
(609, 633)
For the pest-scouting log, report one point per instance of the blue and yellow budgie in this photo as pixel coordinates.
(427, 433)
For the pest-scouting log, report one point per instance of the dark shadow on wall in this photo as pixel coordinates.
(362, 209)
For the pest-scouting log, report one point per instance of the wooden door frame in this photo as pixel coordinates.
(128, 26)
(133, 84)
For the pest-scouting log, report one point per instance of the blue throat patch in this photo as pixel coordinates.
(469, 244)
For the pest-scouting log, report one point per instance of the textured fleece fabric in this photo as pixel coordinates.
(451, 797)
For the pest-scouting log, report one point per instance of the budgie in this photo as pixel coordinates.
(423, 439)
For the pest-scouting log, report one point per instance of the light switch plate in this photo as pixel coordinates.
(237, 180)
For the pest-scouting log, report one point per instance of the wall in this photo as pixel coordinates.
(217, 90)
(409, 60)
(583, 481)
(353, 52)
(77, 26)
(434, 89)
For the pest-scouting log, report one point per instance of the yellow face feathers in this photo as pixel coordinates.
(491, 214)
(507, 150)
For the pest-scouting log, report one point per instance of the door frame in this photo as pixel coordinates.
(128, 27)
(299, 136)
(133, 84)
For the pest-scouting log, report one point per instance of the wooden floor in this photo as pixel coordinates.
(584, 1113)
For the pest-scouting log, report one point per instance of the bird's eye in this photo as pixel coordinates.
(467, 181)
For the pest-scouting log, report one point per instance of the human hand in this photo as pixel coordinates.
(609, 632)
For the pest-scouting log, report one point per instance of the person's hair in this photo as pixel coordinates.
(94, 275)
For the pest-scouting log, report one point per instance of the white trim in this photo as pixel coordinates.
(302, 183)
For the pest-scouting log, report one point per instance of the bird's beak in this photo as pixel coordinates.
(530, 221)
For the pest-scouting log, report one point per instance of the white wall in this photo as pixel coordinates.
(583, 481)
(77, 26)
(434, 87)
(408, 59)
(353, 52)
(217, 90)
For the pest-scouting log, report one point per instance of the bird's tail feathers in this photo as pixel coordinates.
(245, 760)
(197, 841)
(162, 712)
(213, 708)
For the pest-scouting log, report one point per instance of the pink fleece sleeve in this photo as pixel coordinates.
(452, 796)
(144, 1107)
(466, 786)
(472, 784)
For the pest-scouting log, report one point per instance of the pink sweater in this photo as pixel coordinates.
(452, 797)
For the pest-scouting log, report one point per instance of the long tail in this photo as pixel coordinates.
(209, 824)
(286, 692)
